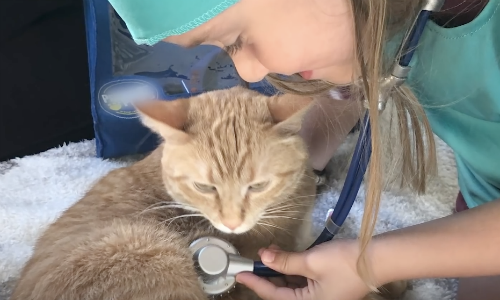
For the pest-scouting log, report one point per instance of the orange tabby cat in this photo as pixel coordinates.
(231, 165)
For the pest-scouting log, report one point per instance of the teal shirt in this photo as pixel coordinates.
(456, 76)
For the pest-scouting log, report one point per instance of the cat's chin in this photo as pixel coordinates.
(239, 230)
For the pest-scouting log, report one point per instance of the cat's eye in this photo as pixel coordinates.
(204, 188)
(258, 187)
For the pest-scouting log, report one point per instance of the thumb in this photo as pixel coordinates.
(288, 263)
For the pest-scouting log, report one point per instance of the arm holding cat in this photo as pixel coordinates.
(446, 247)
(326, 125)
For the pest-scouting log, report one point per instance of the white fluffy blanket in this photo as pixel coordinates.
(35, 190)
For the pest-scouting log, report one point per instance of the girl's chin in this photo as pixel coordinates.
(306, 74)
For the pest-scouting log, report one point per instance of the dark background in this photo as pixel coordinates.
(44, 83)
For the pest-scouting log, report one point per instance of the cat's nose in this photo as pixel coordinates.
(232, 223)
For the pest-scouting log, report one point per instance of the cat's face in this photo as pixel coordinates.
(232, 158)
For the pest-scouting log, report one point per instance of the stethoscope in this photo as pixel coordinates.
(218, 262)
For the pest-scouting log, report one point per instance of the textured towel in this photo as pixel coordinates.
(37, 189)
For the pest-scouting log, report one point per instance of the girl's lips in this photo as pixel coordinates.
(306, 74)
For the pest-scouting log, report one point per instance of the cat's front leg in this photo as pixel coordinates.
(118, 260)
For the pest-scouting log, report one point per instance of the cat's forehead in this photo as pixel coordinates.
(230, 131)
(218, 106)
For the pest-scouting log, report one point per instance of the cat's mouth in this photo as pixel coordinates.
(242, 225)
(232, 226)
(226, 228)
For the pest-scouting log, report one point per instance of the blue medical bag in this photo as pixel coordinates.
(122, 72)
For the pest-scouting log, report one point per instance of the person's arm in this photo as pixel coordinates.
(465, 244)
(326, 126)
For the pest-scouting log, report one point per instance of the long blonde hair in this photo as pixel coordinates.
(376, 22)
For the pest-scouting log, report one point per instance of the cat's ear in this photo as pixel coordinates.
(167, 118)
(288, 112)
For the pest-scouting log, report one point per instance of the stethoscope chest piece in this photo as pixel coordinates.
(217, 263)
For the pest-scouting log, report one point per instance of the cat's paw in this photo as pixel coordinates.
(320, 177)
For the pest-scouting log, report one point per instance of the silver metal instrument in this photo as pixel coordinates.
(218, 263)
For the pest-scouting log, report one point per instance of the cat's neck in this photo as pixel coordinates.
(150, 169)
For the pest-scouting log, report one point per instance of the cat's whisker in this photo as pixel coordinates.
(286, 201)
(178, 203)
(284, 205)
(305, 196)
(161, 201)
(158, 201)
(156, 204)
(162, 206)
(274, 226)
(287, 208)
(179, 217)
(284, 217)
(281, 211)
(255, 229)
(168, 206)
(262, 225)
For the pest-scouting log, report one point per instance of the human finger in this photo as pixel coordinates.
(266, 289)
(274, 247)
(288, 263)
(271, 247)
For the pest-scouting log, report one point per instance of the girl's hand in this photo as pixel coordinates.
(460, 245)
(329, 270)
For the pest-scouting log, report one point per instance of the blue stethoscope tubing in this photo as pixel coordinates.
(355, 174)
(361, 155)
